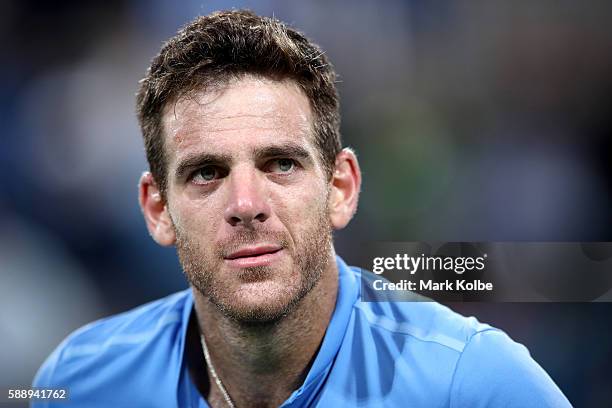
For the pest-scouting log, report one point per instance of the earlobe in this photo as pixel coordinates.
(345, 187)
(155, 211)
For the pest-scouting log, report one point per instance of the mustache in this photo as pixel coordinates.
(242, 238)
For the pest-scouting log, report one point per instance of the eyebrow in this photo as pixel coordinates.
(200, 160)
(289, 150)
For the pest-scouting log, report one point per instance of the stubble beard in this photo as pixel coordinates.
(310, 257)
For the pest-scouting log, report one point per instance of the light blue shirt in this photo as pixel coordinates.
(391, 354)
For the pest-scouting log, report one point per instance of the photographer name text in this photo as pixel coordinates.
(434, 286)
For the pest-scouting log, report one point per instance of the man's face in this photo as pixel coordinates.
(248, 196)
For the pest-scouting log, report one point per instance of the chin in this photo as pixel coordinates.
(260, 302)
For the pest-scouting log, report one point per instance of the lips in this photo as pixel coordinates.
(260, 255)
(254, 251)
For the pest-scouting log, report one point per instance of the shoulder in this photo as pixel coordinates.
(108, 351)
(131, 327)
(472, 363)
(494, 370)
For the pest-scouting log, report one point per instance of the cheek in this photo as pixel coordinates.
(196, 221)
(299, 209)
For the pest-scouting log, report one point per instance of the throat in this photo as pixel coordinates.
(265, 378)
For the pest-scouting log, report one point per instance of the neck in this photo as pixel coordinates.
(261, 364)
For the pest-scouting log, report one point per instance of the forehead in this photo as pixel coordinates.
(246, 112)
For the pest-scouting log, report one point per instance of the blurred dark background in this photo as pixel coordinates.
(484, 121)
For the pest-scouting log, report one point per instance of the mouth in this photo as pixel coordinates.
(254, 256)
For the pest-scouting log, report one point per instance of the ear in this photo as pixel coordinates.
(155, 211)
(345, 187)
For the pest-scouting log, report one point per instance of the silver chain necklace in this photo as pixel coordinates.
(209, 363)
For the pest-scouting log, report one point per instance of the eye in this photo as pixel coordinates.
(206, 174)
(282, 165)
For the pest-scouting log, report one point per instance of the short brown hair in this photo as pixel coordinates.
(215, 48)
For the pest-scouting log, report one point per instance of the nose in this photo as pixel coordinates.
(247, 201)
